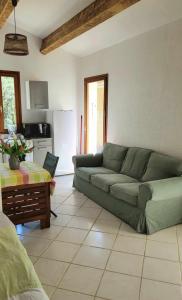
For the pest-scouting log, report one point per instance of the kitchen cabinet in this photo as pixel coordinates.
(29, 156)
(1, 158)
(41, 147)
(37, 95)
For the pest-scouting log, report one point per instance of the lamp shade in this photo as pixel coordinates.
(16, 44)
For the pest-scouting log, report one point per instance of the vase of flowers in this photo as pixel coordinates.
(16, 148)
(14, 162)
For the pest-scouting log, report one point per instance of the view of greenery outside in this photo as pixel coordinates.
(8, 97)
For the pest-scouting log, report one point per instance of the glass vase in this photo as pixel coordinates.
(14, 162)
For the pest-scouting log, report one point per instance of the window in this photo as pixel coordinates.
(10, 101)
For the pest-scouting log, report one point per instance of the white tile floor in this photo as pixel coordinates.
(89, 254)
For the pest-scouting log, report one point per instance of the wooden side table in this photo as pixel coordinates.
(27, 203)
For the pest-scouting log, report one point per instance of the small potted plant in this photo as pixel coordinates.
(17, 149)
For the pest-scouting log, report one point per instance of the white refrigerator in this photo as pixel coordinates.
(63, 127)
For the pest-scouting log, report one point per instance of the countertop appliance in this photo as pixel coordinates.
(36, 130)
(63, 125)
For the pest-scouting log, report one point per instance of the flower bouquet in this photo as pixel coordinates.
(16, 148)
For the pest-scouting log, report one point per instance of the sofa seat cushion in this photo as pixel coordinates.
(113, 156)
(127, 192)
(162, 166)
(104, 181)
(86, 173)
(136, 162)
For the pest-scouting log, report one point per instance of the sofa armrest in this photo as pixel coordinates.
(88, 160)
(164, 189)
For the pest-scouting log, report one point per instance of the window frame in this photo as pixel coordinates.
(16, 76)
(87, 80)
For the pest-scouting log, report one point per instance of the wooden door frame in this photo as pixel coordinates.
(16, 76)
(87, 80)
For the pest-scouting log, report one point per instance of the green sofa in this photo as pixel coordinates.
(140, 186)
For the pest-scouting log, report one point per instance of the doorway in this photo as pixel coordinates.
(95, 113)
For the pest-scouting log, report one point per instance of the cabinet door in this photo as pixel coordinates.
(29, 156)
(5, 158)
(42, 142)
(37, 94)
(39, 154)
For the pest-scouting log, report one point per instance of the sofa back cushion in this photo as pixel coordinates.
(113, 156)
(162, 166)
(136, 162)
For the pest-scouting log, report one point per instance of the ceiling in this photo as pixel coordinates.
(139, 18)
(41, 17)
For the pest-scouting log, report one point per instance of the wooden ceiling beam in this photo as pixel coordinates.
(6, 9)
(94, 14)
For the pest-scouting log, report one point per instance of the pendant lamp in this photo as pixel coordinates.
(15, 43)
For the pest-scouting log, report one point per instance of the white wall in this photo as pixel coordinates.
(58, 67)
(145, 85)
(145, 89)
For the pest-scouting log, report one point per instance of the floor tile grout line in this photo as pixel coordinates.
(77, 253)
(73, 258)
(179, 256)
(103, 248)
(165, 282)
(66, 197)
(75, 214)
(124, 235)
(38, 237)
(61, 279)
(81, 198)
(82, 243)
(153, 280)
(163, 259)
(104, 271)
(162, 242)
(42, 250)
(46, 248)
(55, 239)
(81, 265)
(95, 295)
(142, 269)
(167, 260)
(76, 292)
(95, 220)
(129, 235)
(115, 272)
(90, 228)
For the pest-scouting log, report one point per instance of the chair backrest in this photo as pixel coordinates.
(50, 163)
